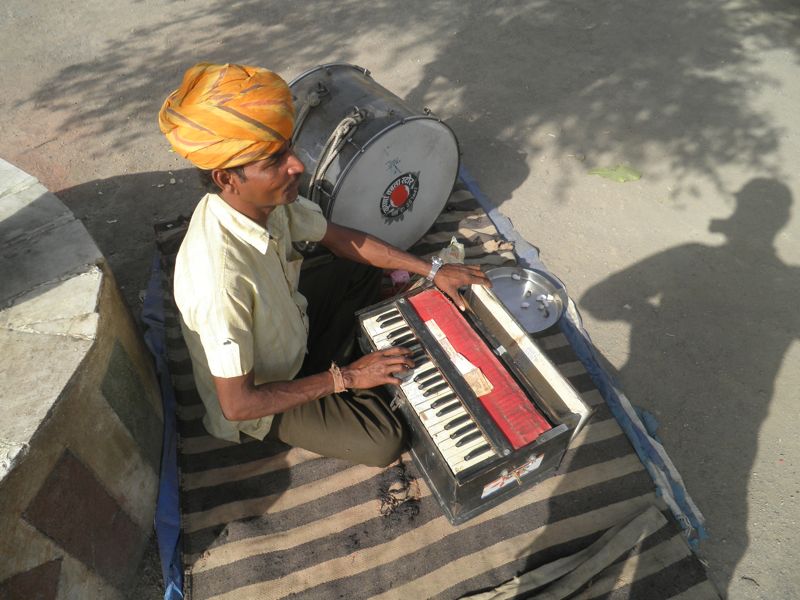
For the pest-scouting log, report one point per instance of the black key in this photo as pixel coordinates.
(421, 363)
(477, 451)
(443, 400)
(398, 333)
(392, 321)
(389, 314)
(467, 439)
(457, 421)
(463, 430)
(435, 378)
(402, 340)
(416, 349)
(418, 354)
(436, 389)
(425, 374)
(449, 408)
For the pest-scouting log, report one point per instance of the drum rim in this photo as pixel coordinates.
(308, 72)
(351, 163)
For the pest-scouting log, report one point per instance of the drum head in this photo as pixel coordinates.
(396, 188)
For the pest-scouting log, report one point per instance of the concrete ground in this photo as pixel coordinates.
(686, 278)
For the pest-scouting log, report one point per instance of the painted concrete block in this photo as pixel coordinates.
(34, 371)
(66, 307)
(124, 392)
(75, 510)
(39, 583)
(80, 433)
(54, 255)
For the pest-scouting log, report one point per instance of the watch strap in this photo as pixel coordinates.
(436, 264)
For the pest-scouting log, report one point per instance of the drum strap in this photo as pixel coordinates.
(332, 148)
(329, 153)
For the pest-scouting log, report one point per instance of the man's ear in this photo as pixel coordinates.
(225, 180)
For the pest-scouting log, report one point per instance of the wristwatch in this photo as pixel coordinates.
(436, 264)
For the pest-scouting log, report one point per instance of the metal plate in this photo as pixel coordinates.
(535, 299)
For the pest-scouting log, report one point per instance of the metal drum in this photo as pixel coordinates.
(372, 162)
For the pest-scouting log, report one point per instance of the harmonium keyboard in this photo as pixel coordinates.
(488, 413)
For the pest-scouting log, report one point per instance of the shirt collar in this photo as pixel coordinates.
(237, 224)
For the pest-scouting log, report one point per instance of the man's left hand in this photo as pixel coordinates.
(453, 276)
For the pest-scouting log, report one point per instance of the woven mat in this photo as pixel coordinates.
(262, 520)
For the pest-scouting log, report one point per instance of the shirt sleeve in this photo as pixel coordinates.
(306, 221)
(226, 335)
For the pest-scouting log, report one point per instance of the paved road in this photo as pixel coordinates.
(687, 278)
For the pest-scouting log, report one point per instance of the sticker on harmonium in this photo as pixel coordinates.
(474, 377)
(507, 478)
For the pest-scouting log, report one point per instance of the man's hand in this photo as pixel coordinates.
(377, 368)
(453, 276)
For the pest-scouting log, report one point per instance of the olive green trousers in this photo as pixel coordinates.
(356, 425)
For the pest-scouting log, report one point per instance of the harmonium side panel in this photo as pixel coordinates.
(554, 393)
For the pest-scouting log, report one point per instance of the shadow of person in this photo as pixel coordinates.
(709, 329)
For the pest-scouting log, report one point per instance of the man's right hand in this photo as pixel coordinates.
(377, 368)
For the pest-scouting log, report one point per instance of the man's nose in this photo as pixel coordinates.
(295, 165)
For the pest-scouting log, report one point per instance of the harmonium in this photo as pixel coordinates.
(487, 412)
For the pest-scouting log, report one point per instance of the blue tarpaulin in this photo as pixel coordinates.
(167, 519)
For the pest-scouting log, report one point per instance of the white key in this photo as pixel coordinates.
(460, 466)
(448, 445)
(416, 394)
(425, 370)
(443, 435)
(385, 334)
(383, 343)
(440, 400)
(454, 455)
(373, 327)
(431, 419)
(422, 404)
(439, 431)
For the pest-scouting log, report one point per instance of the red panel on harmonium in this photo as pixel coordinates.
(507, 404)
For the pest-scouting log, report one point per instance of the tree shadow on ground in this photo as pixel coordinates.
(710, 326)
(606, 80)
(119, 213)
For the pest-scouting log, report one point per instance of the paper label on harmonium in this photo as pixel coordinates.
(471, 374)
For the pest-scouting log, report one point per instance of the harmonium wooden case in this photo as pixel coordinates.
(487, 412)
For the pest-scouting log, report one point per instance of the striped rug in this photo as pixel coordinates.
(262, 520)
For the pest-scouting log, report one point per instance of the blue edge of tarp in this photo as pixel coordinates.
(668, 482)
(168, 516)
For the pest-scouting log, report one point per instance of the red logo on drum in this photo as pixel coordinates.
(400, 195)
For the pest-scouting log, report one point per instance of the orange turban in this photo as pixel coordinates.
(227, 115)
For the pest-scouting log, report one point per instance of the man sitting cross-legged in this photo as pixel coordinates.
(270, 347)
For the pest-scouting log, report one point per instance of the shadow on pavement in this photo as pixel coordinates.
(607, 78)
(710, 326)
(119, 213)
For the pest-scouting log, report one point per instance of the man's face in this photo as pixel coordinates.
(270, 182)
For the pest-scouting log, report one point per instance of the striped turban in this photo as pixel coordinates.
(227, 115)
